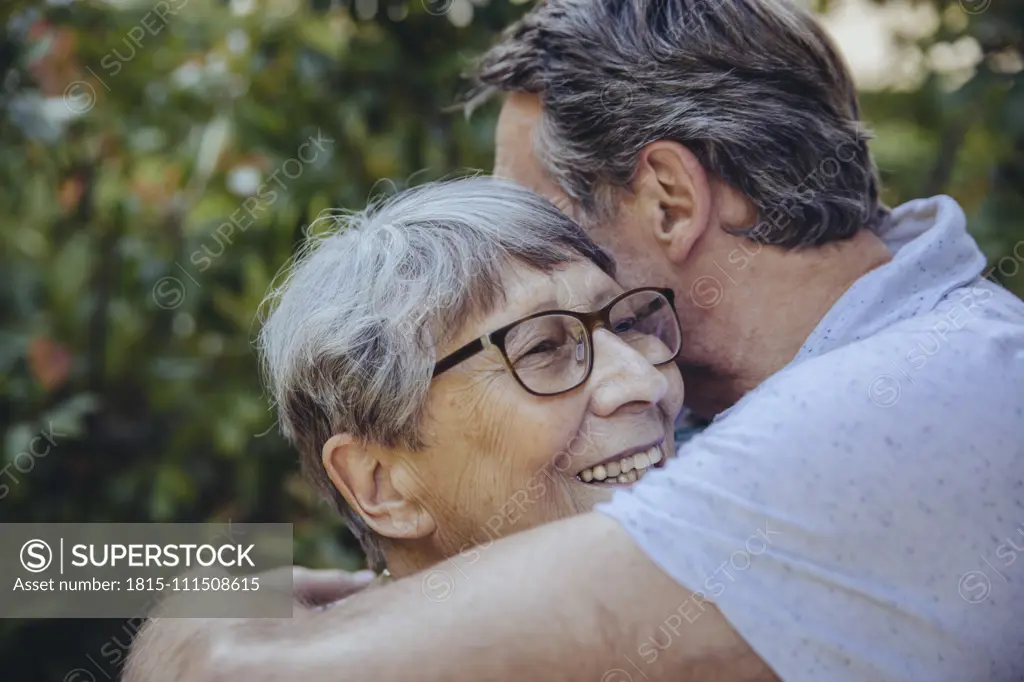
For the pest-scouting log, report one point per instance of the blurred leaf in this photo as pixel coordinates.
(67, 418)
(49, 361)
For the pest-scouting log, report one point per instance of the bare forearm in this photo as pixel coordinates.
(501, 611)
(570, 601)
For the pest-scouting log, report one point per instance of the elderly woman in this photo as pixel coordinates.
(459, 363)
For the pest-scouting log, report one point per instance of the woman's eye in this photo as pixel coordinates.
(542, 347)
(624, 325)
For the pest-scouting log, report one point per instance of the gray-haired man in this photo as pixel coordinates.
(853, 511)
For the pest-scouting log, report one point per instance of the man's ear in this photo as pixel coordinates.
(676, 193)
(366, 479)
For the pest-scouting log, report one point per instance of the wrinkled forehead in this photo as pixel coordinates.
(579, 285)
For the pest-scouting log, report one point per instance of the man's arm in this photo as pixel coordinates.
(573, 600)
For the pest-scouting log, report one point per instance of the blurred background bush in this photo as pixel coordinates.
(133, 132)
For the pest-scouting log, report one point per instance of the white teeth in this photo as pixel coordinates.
(626, 470)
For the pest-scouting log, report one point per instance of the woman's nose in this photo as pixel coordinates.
(622, 377)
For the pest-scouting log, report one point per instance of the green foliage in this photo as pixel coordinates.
(967, 142)
(131, 138)
(129, 296)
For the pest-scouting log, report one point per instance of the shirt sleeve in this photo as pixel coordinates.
(834, 531)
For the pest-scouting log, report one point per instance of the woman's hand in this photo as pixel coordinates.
(320, 587)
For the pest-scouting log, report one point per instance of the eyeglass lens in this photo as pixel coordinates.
(551, 353)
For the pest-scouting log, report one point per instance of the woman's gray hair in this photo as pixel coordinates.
(754, 88)
(348, 339)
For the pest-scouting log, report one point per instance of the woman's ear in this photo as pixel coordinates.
(676, 190)
(365, 477)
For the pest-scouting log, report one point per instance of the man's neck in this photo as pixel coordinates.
(769, 315)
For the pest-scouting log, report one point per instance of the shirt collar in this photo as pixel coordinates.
(932, 255)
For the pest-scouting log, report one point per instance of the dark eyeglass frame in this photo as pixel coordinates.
(598, 319)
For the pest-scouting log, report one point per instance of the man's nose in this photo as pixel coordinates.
(622, 377)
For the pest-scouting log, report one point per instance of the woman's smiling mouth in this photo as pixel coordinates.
(626, 469)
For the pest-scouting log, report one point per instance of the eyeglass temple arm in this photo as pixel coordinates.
(464, 353)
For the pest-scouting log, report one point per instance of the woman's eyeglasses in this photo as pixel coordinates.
(552, 352)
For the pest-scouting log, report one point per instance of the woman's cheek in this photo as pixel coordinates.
(537, 486)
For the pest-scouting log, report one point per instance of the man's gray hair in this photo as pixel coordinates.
(348, 344)
(754, 88)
